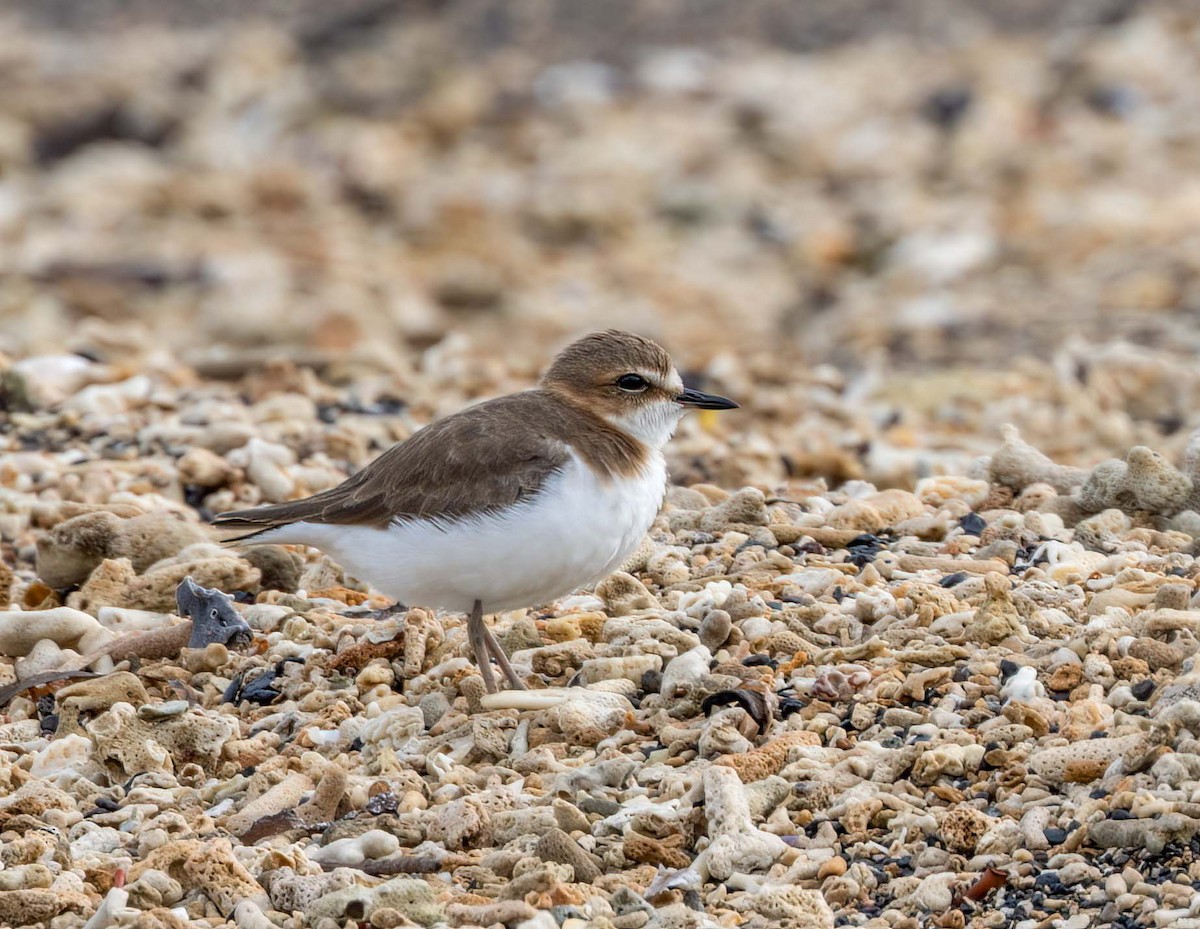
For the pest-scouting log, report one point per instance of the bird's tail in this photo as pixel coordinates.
(336, 505)
(254, 522)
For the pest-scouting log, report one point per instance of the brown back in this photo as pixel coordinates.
(476, 461)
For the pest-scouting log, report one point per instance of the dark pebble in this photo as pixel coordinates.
(880, 875)
(946, 107)
(973, 524)
(260, 690)
(1055, 836)
(599, 805)
(1143, 689)
(193, 495)
(863, 549)
(1114, 100)
(233, 690)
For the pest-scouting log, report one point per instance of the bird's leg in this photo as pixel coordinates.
(514, 681)
(477, 632)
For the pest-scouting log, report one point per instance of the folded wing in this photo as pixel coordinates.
(477, 461)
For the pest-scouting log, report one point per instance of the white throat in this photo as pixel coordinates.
(653, 424)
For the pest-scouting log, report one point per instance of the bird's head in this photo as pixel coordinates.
(630, 381)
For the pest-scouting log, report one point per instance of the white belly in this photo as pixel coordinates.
(576, 531)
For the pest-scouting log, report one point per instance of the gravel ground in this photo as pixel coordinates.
(912, 642)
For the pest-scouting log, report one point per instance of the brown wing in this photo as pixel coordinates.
(481, 459)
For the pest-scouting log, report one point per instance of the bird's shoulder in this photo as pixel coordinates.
(483, 458)
(507, 432)
(477, 461)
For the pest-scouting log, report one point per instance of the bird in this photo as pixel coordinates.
(509, 503)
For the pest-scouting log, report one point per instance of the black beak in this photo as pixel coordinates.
(702, 401)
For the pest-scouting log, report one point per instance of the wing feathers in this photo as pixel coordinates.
(481, 459)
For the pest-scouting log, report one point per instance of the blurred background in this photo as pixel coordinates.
(887, 226)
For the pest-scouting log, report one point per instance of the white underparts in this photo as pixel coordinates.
(578, 529)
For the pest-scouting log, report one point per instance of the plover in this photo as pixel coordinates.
(510, 503)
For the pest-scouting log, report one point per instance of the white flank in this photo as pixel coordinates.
(576, 531)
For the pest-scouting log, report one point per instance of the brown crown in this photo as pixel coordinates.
(601, 357)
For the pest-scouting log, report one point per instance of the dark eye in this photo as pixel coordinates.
(634, 383)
